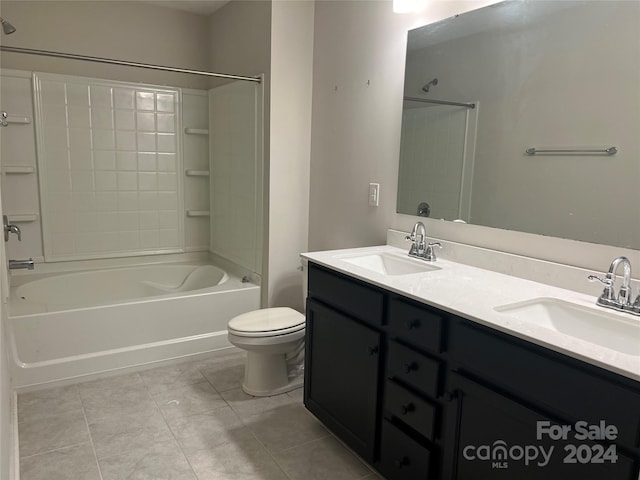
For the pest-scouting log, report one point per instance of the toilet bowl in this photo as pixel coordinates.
(274, 341)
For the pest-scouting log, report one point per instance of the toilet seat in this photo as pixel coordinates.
(267, 322)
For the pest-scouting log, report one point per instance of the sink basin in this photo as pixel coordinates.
(388, 264)
(599, 327)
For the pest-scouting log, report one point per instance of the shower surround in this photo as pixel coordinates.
(116, 211)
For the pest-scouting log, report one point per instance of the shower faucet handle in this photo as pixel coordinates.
(9, 228)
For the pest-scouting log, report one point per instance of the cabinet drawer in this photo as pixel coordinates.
(413, 368)
(347, 295)
(402, 457)
(410, 409)
(568, 390)
(415, 324)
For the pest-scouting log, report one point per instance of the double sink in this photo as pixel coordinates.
(618, 332)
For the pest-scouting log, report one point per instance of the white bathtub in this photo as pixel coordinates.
(82, 323)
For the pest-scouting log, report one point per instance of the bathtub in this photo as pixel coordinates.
(83, 323)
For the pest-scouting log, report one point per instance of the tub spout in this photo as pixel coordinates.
(19, 264)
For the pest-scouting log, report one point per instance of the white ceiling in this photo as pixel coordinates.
(202, 7)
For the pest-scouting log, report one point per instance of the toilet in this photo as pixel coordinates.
(274, 341)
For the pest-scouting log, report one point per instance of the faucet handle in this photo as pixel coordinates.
(606, 281)
(15, 229)
(607, 293)
(430, 254)
(9, 228)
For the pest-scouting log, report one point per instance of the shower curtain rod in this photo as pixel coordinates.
(73, 56)
(441, 102)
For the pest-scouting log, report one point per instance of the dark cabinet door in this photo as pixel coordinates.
(498, 438)
(341, 376)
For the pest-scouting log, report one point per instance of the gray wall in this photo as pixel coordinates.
(290, 117)
(132, 31)
(240, 38)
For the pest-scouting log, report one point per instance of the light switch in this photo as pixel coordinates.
(374, 194)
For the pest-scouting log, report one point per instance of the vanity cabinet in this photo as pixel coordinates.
(570, 389)
(342, 363)
(422, 394)
(496, 439)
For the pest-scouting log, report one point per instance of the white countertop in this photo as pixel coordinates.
(473, 293)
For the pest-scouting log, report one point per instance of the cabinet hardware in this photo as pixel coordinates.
(411, 324)
(401, 462)
(449, 396)
(410, 367)
(407, 408)
(373, 350)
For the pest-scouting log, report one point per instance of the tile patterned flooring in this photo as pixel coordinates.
(188, 421)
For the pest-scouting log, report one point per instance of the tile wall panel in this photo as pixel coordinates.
(108, 157)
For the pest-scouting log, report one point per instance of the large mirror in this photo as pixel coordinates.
(525, 115)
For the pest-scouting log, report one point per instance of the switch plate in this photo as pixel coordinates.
(374, 194)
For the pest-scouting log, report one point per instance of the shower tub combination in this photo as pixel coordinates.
(64, 325)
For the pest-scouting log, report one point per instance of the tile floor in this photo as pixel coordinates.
(189, 421)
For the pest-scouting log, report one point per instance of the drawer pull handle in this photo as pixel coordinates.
(401, 462)
(407, 408)
(449, 396)
(410, 367)
(411, 324)
(373, 350)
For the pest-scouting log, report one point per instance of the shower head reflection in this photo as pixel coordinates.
(7, 28)
(433, 82)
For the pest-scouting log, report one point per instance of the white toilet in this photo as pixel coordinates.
(274, 341)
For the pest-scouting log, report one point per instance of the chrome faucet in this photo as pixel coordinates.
(9, 228)
(420, 248)
(20, 264)
(621, 301)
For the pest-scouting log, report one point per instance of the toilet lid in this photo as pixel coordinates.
(270, 321)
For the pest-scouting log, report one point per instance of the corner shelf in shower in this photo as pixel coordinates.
(18, 169)
(196, 131)
(22, 217)
(198, 213)
(190, 172)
